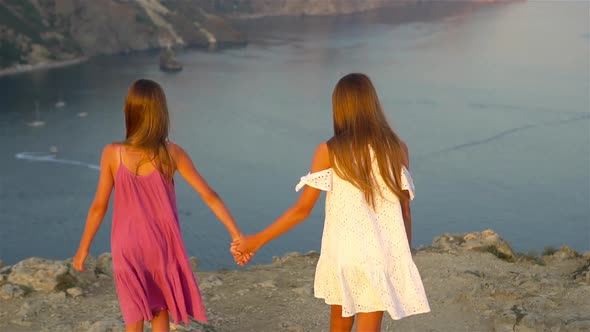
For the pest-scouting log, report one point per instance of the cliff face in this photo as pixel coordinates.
(45, 31)
(40, 31)
(260, 8)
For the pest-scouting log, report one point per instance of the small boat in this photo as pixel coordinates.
(60, 102)
(37, 122)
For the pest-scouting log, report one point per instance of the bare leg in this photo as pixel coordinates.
(161, 322)
(369, 321)
(134, 327)
(339, 323)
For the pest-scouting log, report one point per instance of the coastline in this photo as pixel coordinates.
(20, 69)
(473, 281)
(376, 11)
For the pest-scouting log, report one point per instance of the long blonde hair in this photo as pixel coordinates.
(147, 124)
(359, 126)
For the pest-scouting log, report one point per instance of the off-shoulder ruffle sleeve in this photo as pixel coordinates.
(320, 180)
(407, 182)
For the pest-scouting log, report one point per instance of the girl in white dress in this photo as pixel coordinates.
(365, 266)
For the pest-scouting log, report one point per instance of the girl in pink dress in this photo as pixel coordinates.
(150, 264)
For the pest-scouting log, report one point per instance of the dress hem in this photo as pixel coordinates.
(176, 322)
(397, 317)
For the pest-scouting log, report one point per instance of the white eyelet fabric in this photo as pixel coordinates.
(321, 180)
(408, 183)
(365, 263)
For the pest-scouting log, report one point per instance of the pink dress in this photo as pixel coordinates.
(150, 264)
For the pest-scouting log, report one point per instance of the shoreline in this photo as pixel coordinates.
(21, 69)
(247, 18)
(5, 261)
(530, 252)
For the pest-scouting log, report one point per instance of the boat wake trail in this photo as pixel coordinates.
(473, 143)
(48, 157)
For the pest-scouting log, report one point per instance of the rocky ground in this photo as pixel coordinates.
(474, 282)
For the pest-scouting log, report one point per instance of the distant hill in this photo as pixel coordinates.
(44, 31)
(261, 8)
(37, 32)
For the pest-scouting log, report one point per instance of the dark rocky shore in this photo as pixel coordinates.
(37, 34)
(474, 282)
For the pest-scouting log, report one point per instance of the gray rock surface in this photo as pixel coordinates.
(104, 264)
(488, 241)
(110, 325)
(75, 292)
(468, 290)
(9, 291)
(565, 252)
(38, 273)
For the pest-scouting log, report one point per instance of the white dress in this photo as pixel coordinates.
(365, 263)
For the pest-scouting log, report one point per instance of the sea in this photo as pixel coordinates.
(492, 101)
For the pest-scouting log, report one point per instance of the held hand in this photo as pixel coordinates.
(244, 249)
(236, 254)
(79, 260)
(239, 257)
(243, 259)
(247, 244)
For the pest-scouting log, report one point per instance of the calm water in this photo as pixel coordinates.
(493, 104)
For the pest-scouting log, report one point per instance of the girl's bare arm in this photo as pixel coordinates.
(294, 215)
(187, 169)
(99, 206)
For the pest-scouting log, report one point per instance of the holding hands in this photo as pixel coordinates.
(243, 249)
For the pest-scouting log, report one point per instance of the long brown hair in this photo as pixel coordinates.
(359, 126)
(147, 123)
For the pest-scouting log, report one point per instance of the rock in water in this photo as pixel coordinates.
(168, 61)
